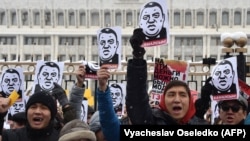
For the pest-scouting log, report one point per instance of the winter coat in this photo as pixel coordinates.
(28, 134)
(108, 118)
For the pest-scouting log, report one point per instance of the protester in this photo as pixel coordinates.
(45, 114)
(108, 119)
(176, 105)
(233, 112)
(77, 91)
(76, 130)
(40, 113)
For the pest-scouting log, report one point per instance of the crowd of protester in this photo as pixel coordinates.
(42, 120)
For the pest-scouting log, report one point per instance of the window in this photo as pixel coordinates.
(225, 18)
(82, 18)
(71, 40)
(71, 18)
(60, 19)
(129, 18)
(107, 19)
(81, 57)
(36, 19)
(188, 19)
(212, 19)
(13, 57)
(62, 58)
(47, 57)
(94, 40)
(95, 58)
(47, 18)
(118, 19)
(248, 17)
(214, 42)
(237, 18)
(8, 40)
(177, 48)
(27, 57)
(37, 41)
(177, 18)
(81, 41)
(95, 19)
(47, 41)
(13, 18)
(2, 18)
(200, 18)
(38, 57)
(25, 20)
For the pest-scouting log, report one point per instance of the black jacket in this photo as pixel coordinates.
(28, 134)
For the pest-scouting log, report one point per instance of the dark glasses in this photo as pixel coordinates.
(234, 108)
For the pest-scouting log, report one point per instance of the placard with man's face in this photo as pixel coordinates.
(47, 73)
(109, 45)
(12, 79)
(153, 19)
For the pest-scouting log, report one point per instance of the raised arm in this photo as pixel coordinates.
(108, 118)
(137, 100)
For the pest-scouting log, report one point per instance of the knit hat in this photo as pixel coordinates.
(44, 98)
(75, 130)
(94, 122)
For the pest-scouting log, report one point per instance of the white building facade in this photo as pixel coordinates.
(66, 29)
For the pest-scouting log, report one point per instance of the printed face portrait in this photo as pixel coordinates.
(116, 95)
(223, 76)
(48, 74)
(10, 81)
(17, 107)
(152, 19)
(108, 44)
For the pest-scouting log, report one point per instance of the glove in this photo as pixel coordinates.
(69, 113)
(59, 94)
(201, 107)
(136, 40)
(206, 91)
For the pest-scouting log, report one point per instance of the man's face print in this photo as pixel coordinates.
(11, 81)
(152, 21)
(116, 96)
(108, 45)
(47, 76)
(17, 107)
(223, 77)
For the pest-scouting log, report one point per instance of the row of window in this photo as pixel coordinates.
(75, 18)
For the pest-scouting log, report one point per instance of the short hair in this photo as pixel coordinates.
(153, 4)
(175, 83)
(108, 30)
(114, 85)
(50, 64)
(11, 71)
(225, 62)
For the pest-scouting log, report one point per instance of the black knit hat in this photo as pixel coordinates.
(44, 98)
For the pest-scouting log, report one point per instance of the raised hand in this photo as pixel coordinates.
(136, 40)
(103, 75)
(80, 75)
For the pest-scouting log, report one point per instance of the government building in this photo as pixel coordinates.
(66, 30)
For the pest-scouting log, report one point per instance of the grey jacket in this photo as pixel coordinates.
(75, 99)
